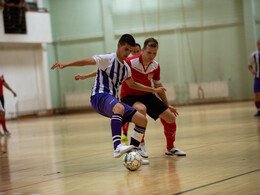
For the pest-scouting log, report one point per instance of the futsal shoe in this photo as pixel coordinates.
(121, 149)
(145, 162)
(124, 137)
(257, 114)
(7, 133)
(175, 151)
(142, 150)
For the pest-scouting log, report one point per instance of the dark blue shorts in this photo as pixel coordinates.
(257, 85)
(103, 103)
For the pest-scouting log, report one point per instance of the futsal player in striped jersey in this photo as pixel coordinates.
(254, 68)
(111, 73)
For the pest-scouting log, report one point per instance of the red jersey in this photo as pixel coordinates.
(2, 80)
(141, 74)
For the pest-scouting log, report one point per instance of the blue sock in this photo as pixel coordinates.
(116, 125)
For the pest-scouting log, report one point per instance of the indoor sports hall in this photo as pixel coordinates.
(209, 58)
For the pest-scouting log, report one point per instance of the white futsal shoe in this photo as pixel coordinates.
(142, 151)
(175, 151)
(7, 133)
(121, 149)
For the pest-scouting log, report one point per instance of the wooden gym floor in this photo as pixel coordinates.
(73, 154)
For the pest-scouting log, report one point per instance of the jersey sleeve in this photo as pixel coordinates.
(156, 76)
(103, 61)
(251, 60)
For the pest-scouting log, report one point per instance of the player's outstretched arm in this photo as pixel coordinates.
(132, 84)
(84, 62)
(85, 76)
(9, 88)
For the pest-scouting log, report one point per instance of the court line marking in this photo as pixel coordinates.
(216, 182)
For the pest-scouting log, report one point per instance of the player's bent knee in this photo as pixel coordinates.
(168, 116)
(142, 109)
(118, 109)
(139, 119)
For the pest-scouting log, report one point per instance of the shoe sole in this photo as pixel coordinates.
(144, 156)
(124, 151)
(180, 154)
(171, 154)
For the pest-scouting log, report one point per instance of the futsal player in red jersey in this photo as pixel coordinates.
(145, 70)
(2, 118)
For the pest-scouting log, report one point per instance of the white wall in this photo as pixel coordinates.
(25, 72)
(38, 29)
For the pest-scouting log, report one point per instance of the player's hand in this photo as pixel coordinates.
(79, 76)
(173, 110)
(160, 89)
(14, 94)
(2, 114)
(253, 72)
(57, 64)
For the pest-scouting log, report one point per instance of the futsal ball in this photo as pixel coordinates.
(132, 161)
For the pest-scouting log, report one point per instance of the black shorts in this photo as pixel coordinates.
(154, 105)
(2, 101)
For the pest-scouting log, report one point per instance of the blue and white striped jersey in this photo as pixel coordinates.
(254, 59)
(110, 74)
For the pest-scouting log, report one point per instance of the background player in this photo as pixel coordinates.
(110, 74)
(254, 59)
(2, 119)
(136, 49)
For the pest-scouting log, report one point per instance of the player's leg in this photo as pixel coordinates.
(257, 103)
(125, 130)
(139, 107)
(133, 101)
(140, 122)
(2, 115)
(257, 96)
(169, 123)
(157, 109)
(2, 119)
(109, 106)
(142, 109)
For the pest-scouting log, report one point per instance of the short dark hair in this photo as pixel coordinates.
(137, 44)
(150, 42)
(127, 39)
